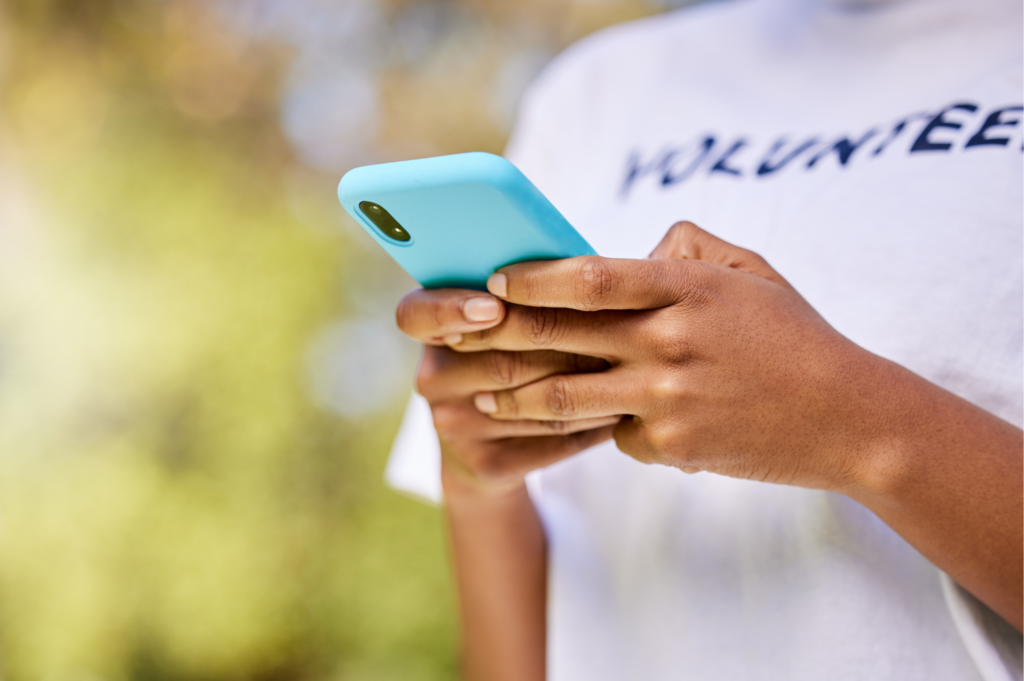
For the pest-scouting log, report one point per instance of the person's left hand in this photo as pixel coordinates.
(718, 363)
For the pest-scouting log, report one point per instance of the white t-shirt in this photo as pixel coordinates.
(871, 152)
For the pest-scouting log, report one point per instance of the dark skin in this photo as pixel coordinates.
(706, 360)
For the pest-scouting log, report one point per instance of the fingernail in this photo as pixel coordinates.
(480, 309)
(498, 285)
(485, 402)
(452, 339)
(690, 469)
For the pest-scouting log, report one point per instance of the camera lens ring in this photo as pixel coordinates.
(385, 223)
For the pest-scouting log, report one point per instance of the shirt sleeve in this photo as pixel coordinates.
(994, 645)
(414, 466)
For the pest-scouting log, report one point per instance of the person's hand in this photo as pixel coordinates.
(718, 363)
(479, 452)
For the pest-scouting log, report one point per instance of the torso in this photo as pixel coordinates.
(909, 242)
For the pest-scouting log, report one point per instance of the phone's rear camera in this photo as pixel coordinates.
(382, 219)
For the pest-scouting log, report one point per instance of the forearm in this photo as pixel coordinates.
(947, 476)
(499, 555)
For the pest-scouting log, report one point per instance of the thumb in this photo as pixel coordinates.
(687, 241)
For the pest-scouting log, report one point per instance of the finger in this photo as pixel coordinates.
(591, 282)
(514, 457)
(686, 240)
(630, 438)
(605, 334)
(444, 373)
(635, 437)
(455, 421)
(506, 429)
(432, 316)
(564, 397)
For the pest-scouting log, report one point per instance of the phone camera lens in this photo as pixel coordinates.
(383, 220)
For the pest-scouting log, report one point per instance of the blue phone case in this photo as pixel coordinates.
(467, 215)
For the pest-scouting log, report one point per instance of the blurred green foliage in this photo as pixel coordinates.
(173, 504)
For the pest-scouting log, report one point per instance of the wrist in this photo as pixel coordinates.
(460, 485)
(887, 419)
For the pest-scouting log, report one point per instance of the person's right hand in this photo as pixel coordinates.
(478, 451)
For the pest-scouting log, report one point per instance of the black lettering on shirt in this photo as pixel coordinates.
(896, 130)
(767, 166)
(676, 163)
(979, 139)
(672, 176)
(635, 169)
(924, 141)
(843, 147)
(721, 165)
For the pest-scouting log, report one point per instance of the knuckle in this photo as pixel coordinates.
(627, 439)
(508, 406)
(543, 326)
(671, 386)
(502, 367)
(683, 236)
(595, 281)
(672, 343)
(659, 436)
(684, 228)
(758, 261)
(437, 320)
(696, 283)
(641, 450)
(557, 427)
(634, 437)
(479, 339)
(753, 256)
(562, 399)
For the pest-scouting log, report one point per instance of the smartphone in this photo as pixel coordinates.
(451, 221)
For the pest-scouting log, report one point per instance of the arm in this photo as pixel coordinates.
(947, 477)
(499, 555)
(723, 367)
(498, 545)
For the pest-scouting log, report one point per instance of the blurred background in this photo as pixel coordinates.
(199, 371)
